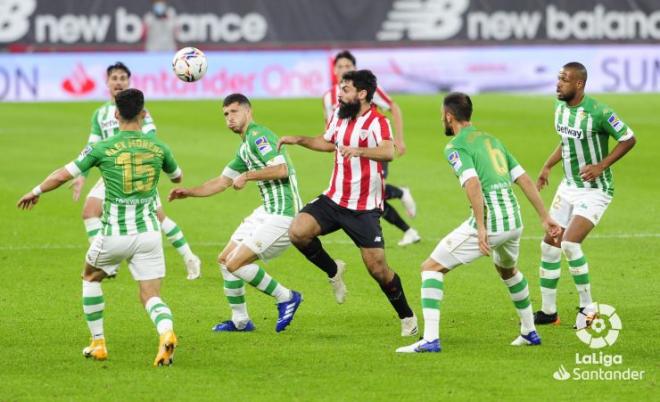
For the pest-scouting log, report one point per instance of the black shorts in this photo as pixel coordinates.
(363, 227)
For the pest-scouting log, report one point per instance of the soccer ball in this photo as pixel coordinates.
(189, 64)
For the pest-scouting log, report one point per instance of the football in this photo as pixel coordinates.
(189, 64)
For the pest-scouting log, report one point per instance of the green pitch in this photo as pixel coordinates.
(330, 352)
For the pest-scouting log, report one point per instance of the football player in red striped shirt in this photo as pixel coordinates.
(343, 62)
(361, 139)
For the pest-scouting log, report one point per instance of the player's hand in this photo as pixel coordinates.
(482, 235)
(591, 172)
(544, 178)
(552, 228)
(28, 201)
(240, 182)
(178, 194)
(348, 152)
(291, 140)
(400, 147)
(76, 187)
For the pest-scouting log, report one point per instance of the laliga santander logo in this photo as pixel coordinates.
(78, 83)
(598, 325)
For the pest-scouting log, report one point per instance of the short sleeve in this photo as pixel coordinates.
(170, 166)
(89, 157)
(614, 126)
(382, 99)
(148, 126)
(382, 130)
(95, 133)
(515, 170)
(461, 162)
(263, 144)
(235, 167)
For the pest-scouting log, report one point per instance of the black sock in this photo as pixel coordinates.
(392, 192)
(315, 253)
(392, 216)
(396, 296)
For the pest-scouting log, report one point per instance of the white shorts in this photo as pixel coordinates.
(267, 235)
(143, 251)
(462, 247)
(589, 203)
(98, 191)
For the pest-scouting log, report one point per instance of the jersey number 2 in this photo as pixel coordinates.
(133, 165)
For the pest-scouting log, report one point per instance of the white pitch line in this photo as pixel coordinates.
(347, 241)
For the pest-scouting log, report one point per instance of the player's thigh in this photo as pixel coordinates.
(240, 256)
(505, 248)
(461, 246)
(270, 238)
(590, 205)
(561, 207)
(93, 206)
(318, 217)
(107, 252)
(224, 254)
(363, 228)
(147, 261)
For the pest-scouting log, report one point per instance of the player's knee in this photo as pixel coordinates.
(571, 250)
(298, 236)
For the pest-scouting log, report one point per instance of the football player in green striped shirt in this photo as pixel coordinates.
(584, 126)
(264, 234)
(130, 164)
(486, 170)
(105, 125)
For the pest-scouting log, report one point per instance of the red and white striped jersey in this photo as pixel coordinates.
(331, 101)
(357, 183)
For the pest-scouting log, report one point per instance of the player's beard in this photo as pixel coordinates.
(449, 132)
(348, 110)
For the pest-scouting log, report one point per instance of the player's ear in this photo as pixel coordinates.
(362, 94)
(143, 114)
(117, 114)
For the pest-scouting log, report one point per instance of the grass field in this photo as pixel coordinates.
(330, 352)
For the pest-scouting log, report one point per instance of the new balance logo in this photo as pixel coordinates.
(561, 374)
(378, 239)
(423, 20)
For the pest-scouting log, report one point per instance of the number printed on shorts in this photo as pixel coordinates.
(136, 175)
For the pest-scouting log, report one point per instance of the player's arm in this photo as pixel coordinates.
(95, 135)
(397, 121)
(211, 187)
(472, 187)
(274, 172)
(544, 177)
(384, 152)
(318, 143)
(591, 172)
(529, 189)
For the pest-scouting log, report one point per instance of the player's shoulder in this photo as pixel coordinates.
(594, 106)
(256, 130)
(100, 109)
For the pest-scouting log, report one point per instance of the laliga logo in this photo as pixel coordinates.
(598, 325)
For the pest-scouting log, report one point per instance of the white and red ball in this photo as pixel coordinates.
(189, 64)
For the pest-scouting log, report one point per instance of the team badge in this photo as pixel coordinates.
(615, 122)
(455, 161)
(263, 145)
(364, 134)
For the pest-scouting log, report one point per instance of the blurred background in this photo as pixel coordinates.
(57, 50)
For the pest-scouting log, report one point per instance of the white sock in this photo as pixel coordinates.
(549, 272)
(93, 305)
(176, 237)
(432, 295)
(579, 269)
(519, 292)
(160, 314)
(234, 289)
(259, 278)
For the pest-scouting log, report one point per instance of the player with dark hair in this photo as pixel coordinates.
(104, 126)
(584, 126)
(361, 139)
(264, 234)
(130, 165)
(344, 62)
(486, 170)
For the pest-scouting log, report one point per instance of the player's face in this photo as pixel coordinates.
(117, 81)
(449, 132)
(349, 100)
(568, 84)
(343, 66)
(236, 116)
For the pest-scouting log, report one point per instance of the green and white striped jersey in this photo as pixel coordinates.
(585, 130)
(257, 151)
(130, 164)
(474, 153)
(105, 125)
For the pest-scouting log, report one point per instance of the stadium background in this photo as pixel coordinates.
(57, 51)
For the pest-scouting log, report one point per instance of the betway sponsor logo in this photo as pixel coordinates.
(445, 19)
(566, 131)
(17, 20)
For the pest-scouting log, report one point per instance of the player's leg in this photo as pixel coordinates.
(234, 290)
(365, 231)
(147, 265)
(550, 266)
(402, 193)
(391, 216)
(178, 240)
(505, 248)
(315, 219)
(93, 306)
(92, 210)
(241, 264)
